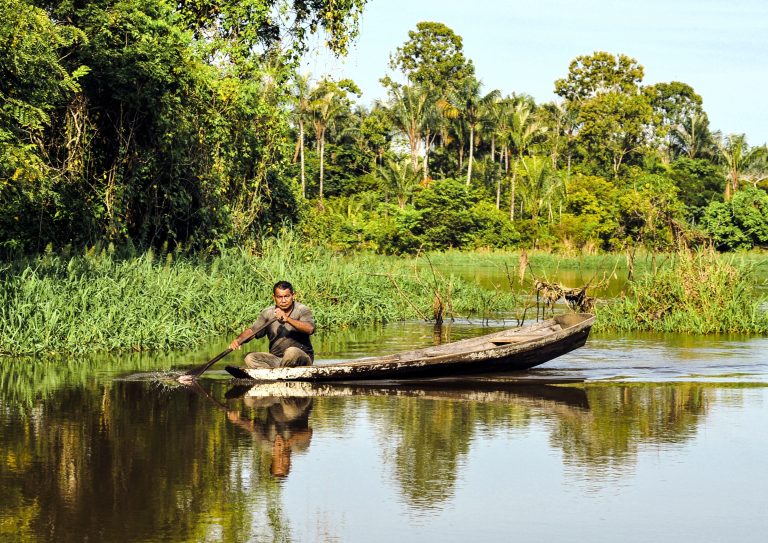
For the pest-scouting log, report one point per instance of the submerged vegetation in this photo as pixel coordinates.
(698, 293)
(99, 301)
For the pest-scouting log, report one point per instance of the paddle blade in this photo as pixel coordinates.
(237, 372)
(198, 371)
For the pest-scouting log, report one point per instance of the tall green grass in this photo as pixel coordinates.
(698, 293)
(99, 302)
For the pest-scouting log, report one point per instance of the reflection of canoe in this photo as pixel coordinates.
(475, 390)
(513, 349)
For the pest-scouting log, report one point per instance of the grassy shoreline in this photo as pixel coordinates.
(698, 293)
(99, 302)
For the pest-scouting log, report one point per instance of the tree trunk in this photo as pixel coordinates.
(731, 185)
(413, 140)
(471, 152)
(296, 149)
(322, 162)
(301, 158)
(512, 196)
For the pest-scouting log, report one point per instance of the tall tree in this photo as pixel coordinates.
(523, 130)
(329, 101)
(673, 104)
(561, 123)
(301, 111)
(598, 73)
(241, 28)
(496, 115)
(412, 109)
(470, 106)
(433, 55)
(614, 126)
(691, 137)
(376, 130)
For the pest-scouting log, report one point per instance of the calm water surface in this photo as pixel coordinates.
(664, 440)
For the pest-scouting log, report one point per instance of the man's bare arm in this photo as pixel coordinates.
(302, 326)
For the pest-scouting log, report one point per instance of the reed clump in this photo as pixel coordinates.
(698, 293)
(97, 301)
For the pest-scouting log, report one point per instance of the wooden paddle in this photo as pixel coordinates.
(194, 373)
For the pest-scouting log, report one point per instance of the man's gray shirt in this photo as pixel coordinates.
(283, 335)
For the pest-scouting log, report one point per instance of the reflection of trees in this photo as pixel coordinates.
(125, 462)
(427, 440)
(27, 381)
(623, 417)
(130, 461)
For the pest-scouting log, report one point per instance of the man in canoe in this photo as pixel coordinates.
(288, 325)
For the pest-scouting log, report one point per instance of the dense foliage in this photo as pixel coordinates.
(151, 122)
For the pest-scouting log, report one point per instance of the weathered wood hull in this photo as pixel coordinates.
(508, 350)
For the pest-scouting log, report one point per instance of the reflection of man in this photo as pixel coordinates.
(284, 430)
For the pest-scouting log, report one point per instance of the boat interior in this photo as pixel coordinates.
(517, 335)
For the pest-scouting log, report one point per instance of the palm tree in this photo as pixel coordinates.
(412, 110)
(326, 104)
(301, 110)
(523, 129)
(739, 160)
(401, 177)
(496, 123)
(689, 137)
(432, 127)
(564, 121)
(470, 108)
(540, 185)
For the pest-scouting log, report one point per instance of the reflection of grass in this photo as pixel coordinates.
(699, 293)
(99, 302)
(25, 381)
(77, 465)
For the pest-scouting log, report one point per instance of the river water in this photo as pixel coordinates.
(632, 438)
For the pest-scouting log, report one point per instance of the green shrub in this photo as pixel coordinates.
(700, 293)
(740, 223)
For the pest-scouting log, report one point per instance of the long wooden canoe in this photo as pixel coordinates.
(509, 350)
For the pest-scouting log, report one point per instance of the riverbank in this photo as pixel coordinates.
(697, 293)
(98, 301)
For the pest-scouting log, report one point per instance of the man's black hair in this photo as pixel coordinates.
(282, 285)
